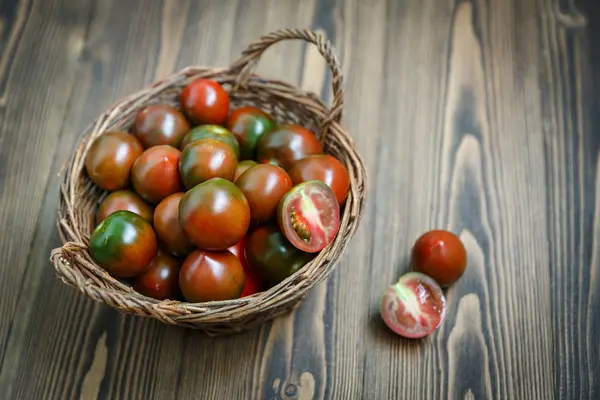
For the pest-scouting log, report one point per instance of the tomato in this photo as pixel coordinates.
(211, 276)
(123, 244)
(287, 144)
(325, 168)
(309, 216)
(160, 124)
(110, 158)
(212, 132)
(205, 101)
(124, 200)
(168, 229)
(270, 254)
(243, 167)
(215, 214)
(264, 185)
(253, 282)
(414, 306)
(206, 159)
(161, 280)
(155, 173)
(248, 124)
(441, 255)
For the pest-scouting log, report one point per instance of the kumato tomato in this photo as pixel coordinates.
(253, 282)
(264, 185)
(212, 132)
(309, 216)
(205, 159)
(160, 124)
(243, 167)
(248, 124)
(110, 158)
(270, 254)
(288, 144)
(124, 200)
(205, 101)
(168, 229)
(211, 276)
(215, 214)
(414, 306)
(325, 168)
(441, 255)
(124, 244)
(155, 174)
(161, 280)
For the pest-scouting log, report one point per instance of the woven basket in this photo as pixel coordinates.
(79, 196)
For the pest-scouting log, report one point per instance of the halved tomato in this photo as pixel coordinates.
(309, 216)
(414, 306)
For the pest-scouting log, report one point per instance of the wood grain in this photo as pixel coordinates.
(475, 116)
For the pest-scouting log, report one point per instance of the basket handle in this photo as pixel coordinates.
(245, 65)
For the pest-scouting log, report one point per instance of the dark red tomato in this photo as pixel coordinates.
(287, 144)
(212, 132)
(243, 167)
(253, 283)
(248, 124)
(211, 276)
(160, 124)
(325, 168)
(414, 307)
(168, 228)
(155, 173)
(206, 159)
(123, 244)
(264, 185)
(309, 216)
(270, 254)
(161, 280)
(215, 214)
(124, 200)
(205, 101)
(110, 158)
(441, 255)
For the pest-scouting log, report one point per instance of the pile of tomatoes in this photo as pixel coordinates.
(208, 202)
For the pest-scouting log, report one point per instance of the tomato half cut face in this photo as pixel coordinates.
(413, 307)
(309, 216)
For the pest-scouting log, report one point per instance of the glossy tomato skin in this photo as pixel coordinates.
(205, 101)
(325, 168)
(110, 158)
(215, 214)
(161, 280)
(211, 276)
(168, 229)
(205, 159)
(155, 174)
(264, 185)
(309, 216)
(249, 124)
(253, 282)
(270, 254)
(124, 200)
(242, 167)
(160, 124)
(413, 307)
(124, 244)
(441, 255)
(287, 144)
(212, 132)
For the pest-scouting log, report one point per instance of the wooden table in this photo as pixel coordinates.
(479, 117)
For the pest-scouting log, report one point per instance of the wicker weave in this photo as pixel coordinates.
(80, 197)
